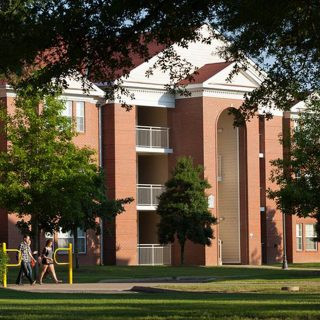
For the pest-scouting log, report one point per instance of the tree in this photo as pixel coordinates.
(183, 207)
(84, 200)
(106, 38)
(99, 38)
(283, 38)
(44, 178)
(297, 174)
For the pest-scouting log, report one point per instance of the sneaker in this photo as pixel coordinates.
(33, 283)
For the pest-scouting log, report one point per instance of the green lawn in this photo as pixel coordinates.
(18, 306)
(236, 293)
(93, 274)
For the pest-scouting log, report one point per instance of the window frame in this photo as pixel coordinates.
(300, 225)
(80, 125)
(70, 238)
(68, 106)
(315, 249)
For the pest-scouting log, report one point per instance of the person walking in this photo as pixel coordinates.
(47, 262)
(26, 256)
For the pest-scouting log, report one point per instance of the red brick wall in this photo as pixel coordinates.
(273, 150)
(254, 230)
(304, 255)
(193, 126)
(186, 139)
(119, 158)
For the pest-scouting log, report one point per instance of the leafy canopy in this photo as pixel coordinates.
(298, 174)
(44, 175)
(103, 38)
(183, 207)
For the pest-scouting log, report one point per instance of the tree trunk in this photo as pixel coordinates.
(76, 247)
(35, 234)
(182, 243)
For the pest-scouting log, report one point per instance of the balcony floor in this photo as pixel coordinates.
(147, 150)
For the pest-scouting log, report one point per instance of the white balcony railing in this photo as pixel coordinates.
(147, 194)
(154, 254)
(152, 137)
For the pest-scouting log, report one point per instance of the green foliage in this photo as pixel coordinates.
(3, 262)
(183, 207)
(298, 174)
(44, 175)
(103, 37)
(279, 35)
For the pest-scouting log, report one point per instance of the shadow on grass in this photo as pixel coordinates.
(14, 305)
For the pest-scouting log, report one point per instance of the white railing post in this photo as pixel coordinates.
(150, 137)
(147, 194)
(146, 135)
(154, 254)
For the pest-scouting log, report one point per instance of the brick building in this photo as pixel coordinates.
(138, 149)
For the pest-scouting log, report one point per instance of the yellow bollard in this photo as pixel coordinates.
(70, 264)
(4, 280)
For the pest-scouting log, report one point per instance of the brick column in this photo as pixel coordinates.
(274, 150)
(119, 159)
(253, 177)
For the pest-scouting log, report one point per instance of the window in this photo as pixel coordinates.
(64, 238)
(80, 116)
(311, 245)
(67, 112)
(299, 237)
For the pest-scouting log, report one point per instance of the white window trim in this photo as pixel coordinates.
(68, 106)
(299, 237)
(80, 116)
(314, 236)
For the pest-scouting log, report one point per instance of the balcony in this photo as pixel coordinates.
(154, 254)
(147, 195)
(152, 139)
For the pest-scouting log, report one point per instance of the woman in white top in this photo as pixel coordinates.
(47, 262)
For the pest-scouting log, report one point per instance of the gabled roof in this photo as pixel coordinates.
(206, 72)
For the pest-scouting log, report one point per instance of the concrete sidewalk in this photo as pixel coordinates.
(87, 287)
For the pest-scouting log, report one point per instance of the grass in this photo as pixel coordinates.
(22, 306)
(237, 293)
(92, 274)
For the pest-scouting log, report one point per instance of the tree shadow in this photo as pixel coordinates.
(159, 306)
(273, 236)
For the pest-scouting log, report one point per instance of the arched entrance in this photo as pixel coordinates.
(231, 189)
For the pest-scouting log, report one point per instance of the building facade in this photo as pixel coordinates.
(139, 148)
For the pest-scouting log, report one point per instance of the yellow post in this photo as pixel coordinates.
(70, 264)
(4, 248)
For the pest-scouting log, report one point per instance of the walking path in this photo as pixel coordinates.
(88, 287)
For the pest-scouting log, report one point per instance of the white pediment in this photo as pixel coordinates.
(244, 80)
(75, 87)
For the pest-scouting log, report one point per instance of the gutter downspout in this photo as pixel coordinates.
(99, 106)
